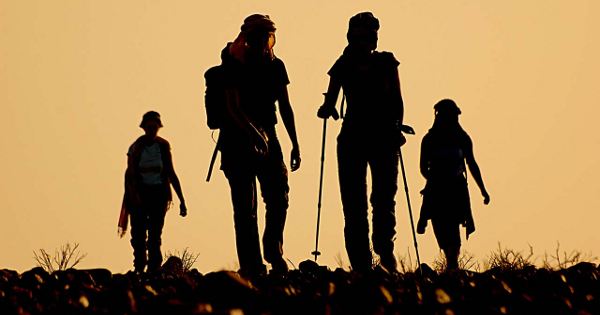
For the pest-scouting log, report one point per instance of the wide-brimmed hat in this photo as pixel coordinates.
(151, 116)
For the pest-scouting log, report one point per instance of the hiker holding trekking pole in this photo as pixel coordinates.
(370, 136)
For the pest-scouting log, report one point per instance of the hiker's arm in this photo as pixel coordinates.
(130, 185)
(397, 104)
(424, 168)
(328, 108)
(131, 161)
(474, 169)
(176, 185)
(424, 160)
(287, 115)
(396, 96)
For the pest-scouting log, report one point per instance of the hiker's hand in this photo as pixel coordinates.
(421, 225)
(401, 139)
(259, 142)
(486, 197)
(295, 159)
(182, 210)
(399, 133)
(328, 111)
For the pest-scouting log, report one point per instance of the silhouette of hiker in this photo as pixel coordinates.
(370, 136)
(446, 202)
(148, 179)
(240, 101)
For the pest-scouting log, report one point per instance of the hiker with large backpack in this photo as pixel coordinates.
(370, 136)
(241, 97)
(446, 201)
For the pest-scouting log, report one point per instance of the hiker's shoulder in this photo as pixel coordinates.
(386, 58)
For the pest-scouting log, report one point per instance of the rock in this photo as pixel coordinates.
(173, 266)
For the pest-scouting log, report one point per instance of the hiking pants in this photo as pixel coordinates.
(382, 159)
(147, 222)
(271, 173)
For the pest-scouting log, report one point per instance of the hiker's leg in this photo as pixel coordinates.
(139, 227)
(273, 178)
(447, 234)
(156, 218)
(243, 196)
(352, 172)
(452, 254)
(384, 174)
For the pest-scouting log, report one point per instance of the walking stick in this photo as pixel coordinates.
(316, 252)
(409, 130)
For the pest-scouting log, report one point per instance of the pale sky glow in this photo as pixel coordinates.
(76, 77)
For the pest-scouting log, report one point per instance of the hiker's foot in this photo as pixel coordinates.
(253, 273)
(389, 263)
(279, 266)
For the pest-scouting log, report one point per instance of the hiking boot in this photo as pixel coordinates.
(389, 263)
(279, 266)
(253, 273)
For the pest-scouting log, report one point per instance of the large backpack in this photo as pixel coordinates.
(214, 97)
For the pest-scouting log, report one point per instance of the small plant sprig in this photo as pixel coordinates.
(466, 261)
(406, 264)
(339, 261)
(509, 259)
(188, 258)
(65, 257)
(565, 260)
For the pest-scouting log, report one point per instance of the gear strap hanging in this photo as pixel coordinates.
(342, 106)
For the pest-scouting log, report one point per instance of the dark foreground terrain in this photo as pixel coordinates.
(311, 289)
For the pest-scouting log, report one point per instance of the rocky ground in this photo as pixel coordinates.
(311, 289)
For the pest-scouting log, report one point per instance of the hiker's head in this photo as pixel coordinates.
(446, 112)
(362, 31)
(151, 122)
(259, 32)
(446, 107)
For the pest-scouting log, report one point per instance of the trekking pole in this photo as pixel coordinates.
(409, 130)
(316, 252)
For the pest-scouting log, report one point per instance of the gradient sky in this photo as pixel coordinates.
(76, 77)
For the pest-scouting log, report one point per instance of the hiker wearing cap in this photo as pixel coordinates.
(370, 136)
(242, 96)
(446, 202)
(148, 179)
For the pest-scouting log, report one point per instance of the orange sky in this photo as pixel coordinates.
(76, 76)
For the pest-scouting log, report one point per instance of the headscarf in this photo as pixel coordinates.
(253, 30)
(446, 117)
(363, 26)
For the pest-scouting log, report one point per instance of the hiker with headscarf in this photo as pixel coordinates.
(241, 97)
(370, 137)
(148, 179)
(446, 201)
